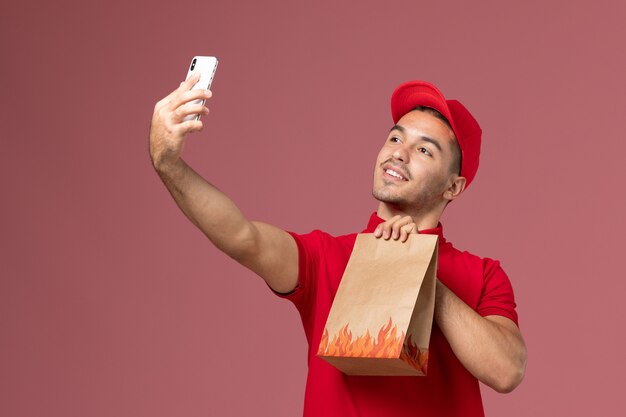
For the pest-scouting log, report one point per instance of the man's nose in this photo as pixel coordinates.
(401, 154)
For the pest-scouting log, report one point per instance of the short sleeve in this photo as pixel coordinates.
(497, 297)
(308, 260)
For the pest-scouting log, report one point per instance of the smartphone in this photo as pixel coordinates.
(206, 65)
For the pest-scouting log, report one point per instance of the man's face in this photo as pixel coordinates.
(413, 167)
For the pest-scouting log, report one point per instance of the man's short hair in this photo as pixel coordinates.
(455, 166)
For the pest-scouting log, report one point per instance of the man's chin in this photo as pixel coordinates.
(388, 198)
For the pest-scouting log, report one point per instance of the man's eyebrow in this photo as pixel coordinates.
(424, 138)
(433, 141)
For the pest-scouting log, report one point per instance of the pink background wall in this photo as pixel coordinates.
(112, 304)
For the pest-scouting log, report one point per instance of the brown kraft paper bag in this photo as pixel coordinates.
(382, 314)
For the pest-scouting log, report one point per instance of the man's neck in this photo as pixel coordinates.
(423, 219)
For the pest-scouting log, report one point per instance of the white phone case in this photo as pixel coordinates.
(206, 65)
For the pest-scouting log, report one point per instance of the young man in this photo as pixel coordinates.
(429, 158)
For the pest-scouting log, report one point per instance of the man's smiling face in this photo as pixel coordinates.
(413, 168)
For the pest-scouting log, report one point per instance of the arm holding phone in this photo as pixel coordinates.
(268, 251)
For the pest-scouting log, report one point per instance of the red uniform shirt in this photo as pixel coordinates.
(448, 389)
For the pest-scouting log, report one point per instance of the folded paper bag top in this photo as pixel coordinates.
(382, 314)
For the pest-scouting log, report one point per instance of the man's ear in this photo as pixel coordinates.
(455, 189)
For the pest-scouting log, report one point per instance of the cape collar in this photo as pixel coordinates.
(375, 221)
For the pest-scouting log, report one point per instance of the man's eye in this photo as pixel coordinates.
(394, 139)
(424, 151)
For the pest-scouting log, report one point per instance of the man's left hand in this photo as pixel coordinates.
(396, 228)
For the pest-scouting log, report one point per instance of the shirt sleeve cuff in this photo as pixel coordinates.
(495, 311)
(295, 293)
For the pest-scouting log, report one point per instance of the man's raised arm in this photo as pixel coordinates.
(270, 252)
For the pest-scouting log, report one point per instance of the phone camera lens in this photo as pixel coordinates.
(193, 64)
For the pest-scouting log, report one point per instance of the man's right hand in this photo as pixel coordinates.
(267, 250)
(168, 129)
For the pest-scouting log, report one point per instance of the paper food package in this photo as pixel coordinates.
(381, 318)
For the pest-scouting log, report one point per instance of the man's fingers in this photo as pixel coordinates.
(168, 98)
(391, 228)
(398, 225)
(386, 227)
(187, 96)
(188, 83)
(190, 126)
(407, 230)
(395, 231)
(182, 87)
(180, 113)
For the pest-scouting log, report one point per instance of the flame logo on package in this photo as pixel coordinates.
(387, 345)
